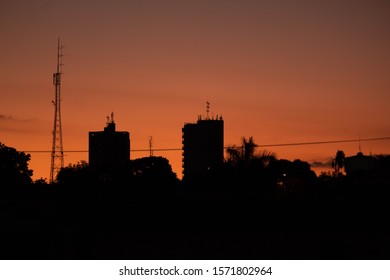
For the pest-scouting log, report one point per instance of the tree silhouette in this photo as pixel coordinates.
(153, 171)
(248, 149)
(14, 167)
(246, 168)
(266, 157)
(233, 154)
(243, 154)
(339, 162)
(74, 174)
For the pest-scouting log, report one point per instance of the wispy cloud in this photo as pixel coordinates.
(316, 164)
(12, 124)
(5, 117)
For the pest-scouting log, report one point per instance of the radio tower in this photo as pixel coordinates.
(57, 151)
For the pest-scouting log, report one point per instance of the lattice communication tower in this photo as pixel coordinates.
(57, 151)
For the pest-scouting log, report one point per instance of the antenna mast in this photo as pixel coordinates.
(57, 151)
(150, 146)
(207, 109)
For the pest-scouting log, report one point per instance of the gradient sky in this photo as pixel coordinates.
(280, 71)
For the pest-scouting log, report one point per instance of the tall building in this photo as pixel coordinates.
(202, 146)
(359, 163)
(109, 149)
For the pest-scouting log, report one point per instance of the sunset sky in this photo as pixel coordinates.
(280, 71)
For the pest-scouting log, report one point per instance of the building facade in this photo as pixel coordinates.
(203, 149)
(359, 163)
(109, 149)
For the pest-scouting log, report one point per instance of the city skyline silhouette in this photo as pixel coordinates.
(280, 72)
(250, 206)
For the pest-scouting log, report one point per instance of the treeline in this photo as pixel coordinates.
(253, 206)
(247, 177)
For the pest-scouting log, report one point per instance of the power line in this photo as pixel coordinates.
(261, 146)
(324, 142)
(86, 151)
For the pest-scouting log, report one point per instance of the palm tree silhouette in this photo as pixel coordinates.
(339, 162)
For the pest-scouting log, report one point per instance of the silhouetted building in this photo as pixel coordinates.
(359, 162)
(202, 146)
(109, 149)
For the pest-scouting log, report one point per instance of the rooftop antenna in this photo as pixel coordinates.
(57, 151)
(150, 146)
(360, 147)
(207, 109)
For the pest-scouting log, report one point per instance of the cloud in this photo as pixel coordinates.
(8, 123)
(317, 164)
(11, 118)
(5, 117)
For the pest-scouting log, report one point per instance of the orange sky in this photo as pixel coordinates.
(280, 71)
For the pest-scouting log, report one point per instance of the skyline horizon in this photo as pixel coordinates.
(279, 71)
(317, 165)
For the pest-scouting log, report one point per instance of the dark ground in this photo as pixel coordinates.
(196, 224)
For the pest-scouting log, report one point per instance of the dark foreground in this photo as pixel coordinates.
(196, 224)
